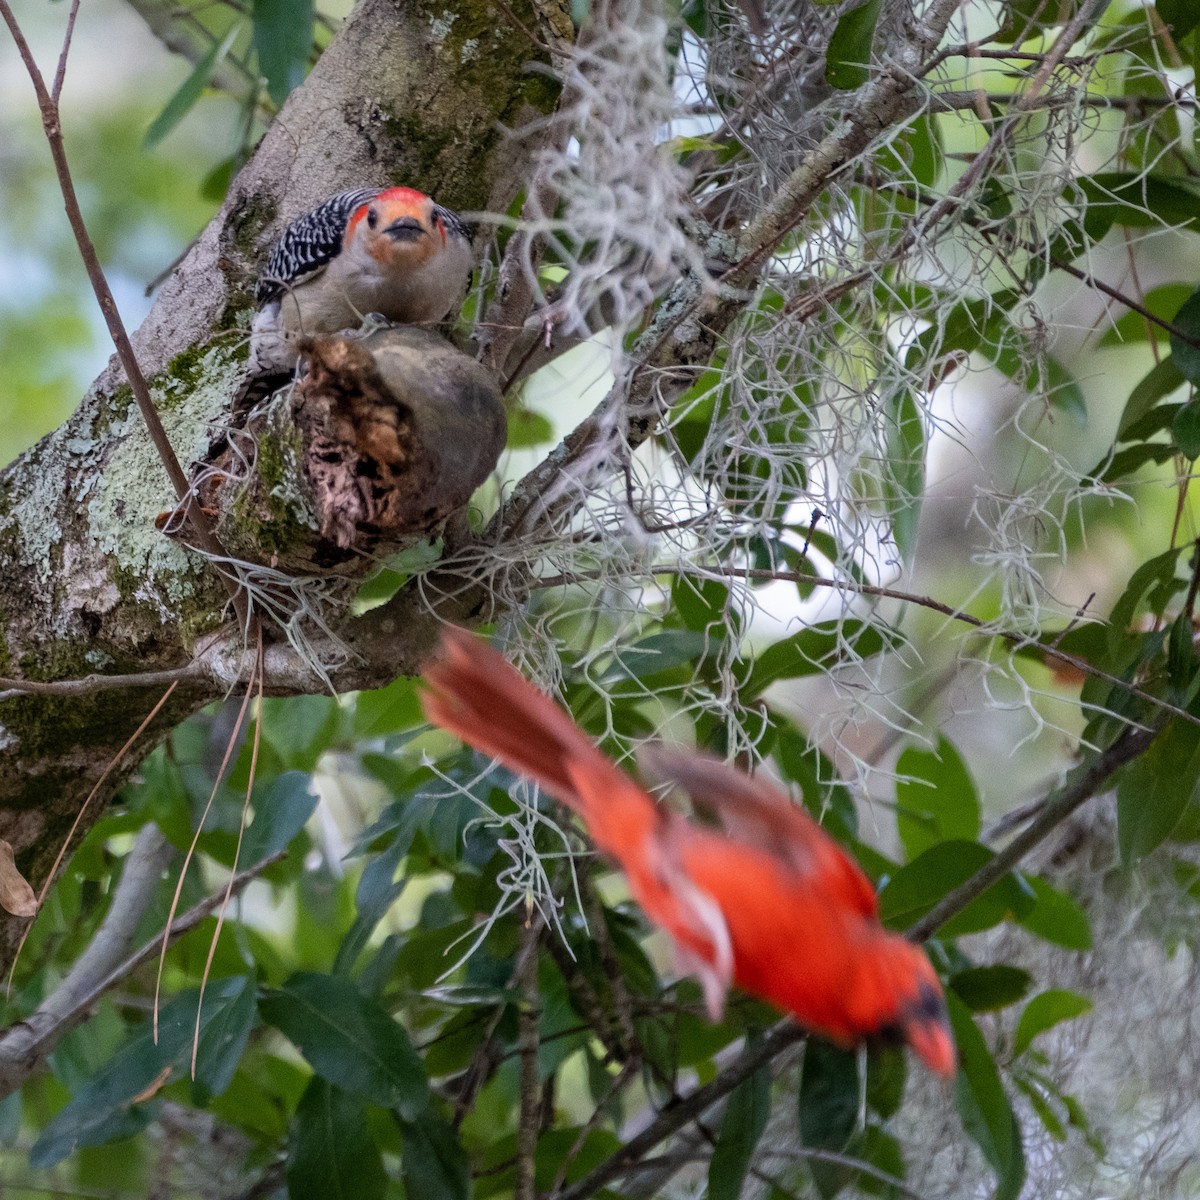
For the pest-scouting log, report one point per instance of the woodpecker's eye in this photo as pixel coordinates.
(372, 218)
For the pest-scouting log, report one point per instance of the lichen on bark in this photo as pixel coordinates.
(85, 579)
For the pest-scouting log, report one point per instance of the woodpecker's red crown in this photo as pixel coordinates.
(402, 223)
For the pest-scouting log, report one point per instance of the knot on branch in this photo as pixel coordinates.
(379, 440)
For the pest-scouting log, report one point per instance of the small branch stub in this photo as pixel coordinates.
(383, 436)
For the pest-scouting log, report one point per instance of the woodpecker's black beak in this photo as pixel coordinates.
(405, 229)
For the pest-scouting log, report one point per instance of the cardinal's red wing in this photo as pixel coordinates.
(475, 693)
(837, 970)
(758, 814)
(776, 899)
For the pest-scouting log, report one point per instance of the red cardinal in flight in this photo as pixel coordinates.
(770, 902)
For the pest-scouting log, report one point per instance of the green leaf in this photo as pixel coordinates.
(1128, 461)
(331, 1154)
(983, 1106)
(1056, 918)
(283, 39)
(1153, 790)
(1161, 380)
(915, 888)
(434, 1165)
(657, 654)
(391, 709)
(396, 571)
(192, 88)
(1185, 341)
(1182, 15)
(1045, 1011)
(935, 798)
(280, 813)
(904, 482)
(1185, 428)
(1063, 391)
(350, 1041)
(742, 1124)
(882, 1151)
(887, 1073)
(847, 61)
(299, 728)
(825, 796)
(223, 1039)
(988, 989)
(810, 651)
(1138, 201)
(701, 604)
(828, 1108)
(528, 428)
(107, 1106)
(1041, 1107)
(1151, 586)
(1163, 302)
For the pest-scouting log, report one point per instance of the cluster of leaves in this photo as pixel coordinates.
(376, 1036)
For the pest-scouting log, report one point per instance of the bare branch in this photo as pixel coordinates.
(24, 1047)
(61, 73)
(1087, 780)
(1020, 641)
(775, 1041)
(528, 1018)
(99, 683)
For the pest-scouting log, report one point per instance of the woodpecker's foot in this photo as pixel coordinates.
(372, 322)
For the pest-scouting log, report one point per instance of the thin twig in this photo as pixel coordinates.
(52, 125)
(60, 73)
(1087, 780)
(618, 1081)
(777, 1039)
(622, 1001)
(24, 1046)
(89, 684)
(813, 1154)
(1019, 641)
(478, 1072)
(528, 1020)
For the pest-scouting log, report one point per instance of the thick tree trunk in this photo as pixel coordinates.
(404, 93)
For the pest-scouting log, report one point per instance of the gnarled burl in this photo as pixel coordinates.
(383, 436)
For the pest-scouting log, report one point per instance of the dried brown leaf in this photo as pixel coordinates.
(16, 896)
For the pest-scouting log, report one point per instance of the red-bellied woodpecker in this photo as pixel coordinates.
(390, 251)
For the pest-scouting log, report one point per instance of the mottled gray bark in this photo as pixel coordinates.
(415, 94)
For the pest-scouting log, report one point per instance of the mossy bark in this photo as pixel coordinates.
(417, 94)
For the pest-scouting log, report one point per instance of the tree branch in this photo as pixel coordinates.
(1086, 780)
(25, 1046)
(52, 124)
(777, 1039)
(529, 1015)
(1020, 641)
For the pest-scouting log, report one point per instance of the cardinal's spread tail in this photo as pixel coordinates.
(476, 694)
